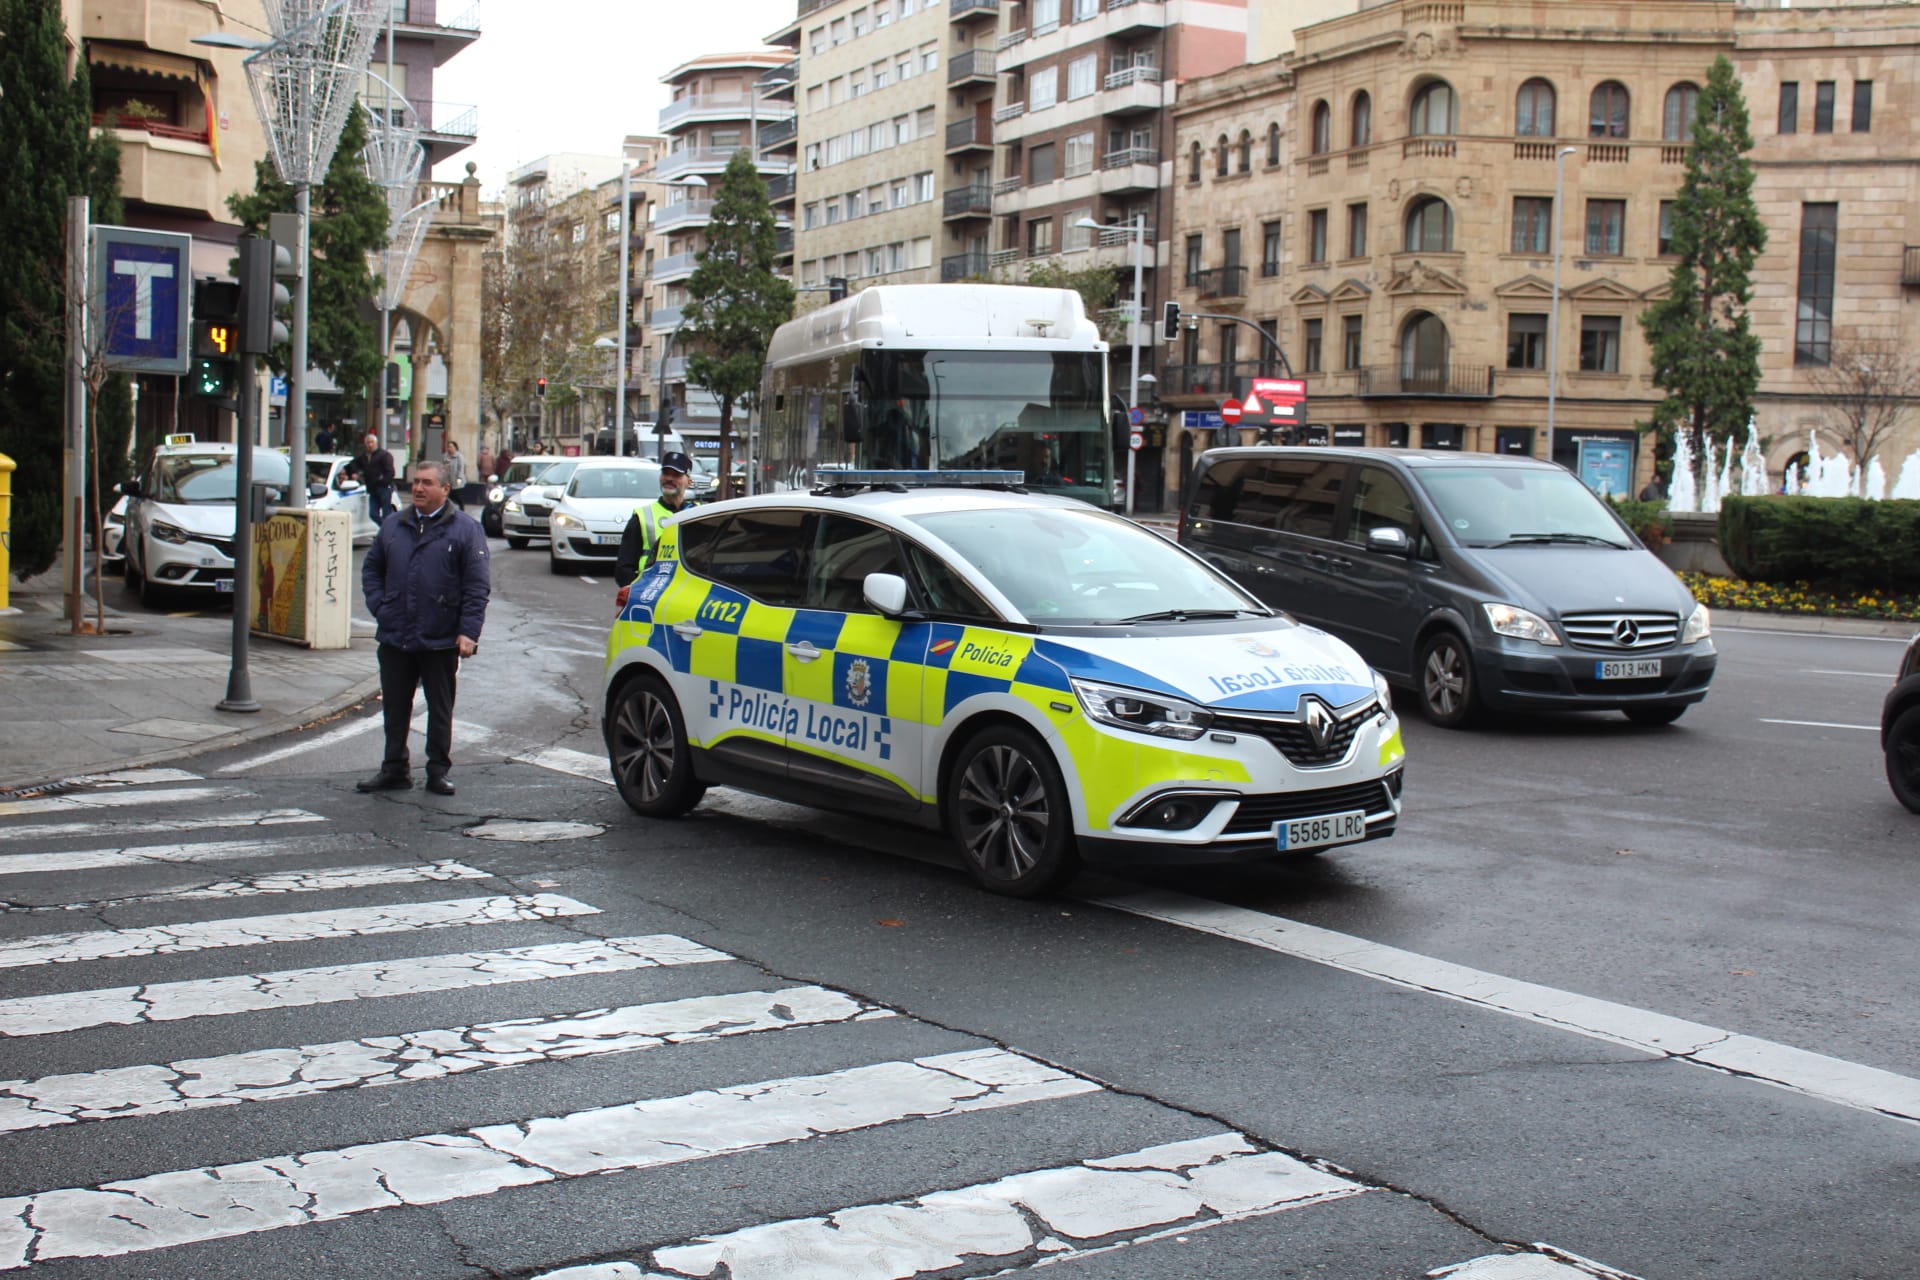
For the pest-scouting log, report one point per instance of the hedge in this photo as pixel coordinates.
(1836, 544)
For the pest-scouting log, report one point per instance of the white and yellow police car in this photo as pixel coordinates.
(1048, 682)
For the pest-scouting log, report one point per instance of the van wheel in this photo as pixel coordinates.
(647, 747)
(1007, 810)
(1659, 714)
(1903, 758)
(1447, 693)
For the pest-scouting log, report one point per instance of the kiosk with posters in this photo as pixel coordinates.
(303, 577)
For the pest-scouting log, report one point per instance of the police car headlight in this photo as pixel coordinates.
(1699, 625)
(1382, 692)
(1508, 620)
(1152, 713)
(496, 493)
(168, 532)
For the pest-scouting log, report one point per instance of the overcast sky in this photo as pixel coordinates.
(579, 75)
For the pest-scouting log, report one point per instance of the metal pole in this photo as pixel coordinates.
(239, 681)
(74, 505)
(620, 356)
(297, 360)
(1553, 314)
(1133, 342)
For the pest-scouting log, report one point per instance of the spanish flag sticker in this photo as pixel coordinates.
(942, 646)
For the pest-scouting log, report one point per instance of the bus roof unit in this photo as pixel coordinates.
(957, 317)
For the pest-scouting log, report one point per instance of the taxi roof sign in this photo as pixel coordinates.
(181, 437)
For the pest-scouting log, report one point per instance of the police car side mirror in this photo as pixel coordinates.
(886, 592)
(1389, 540)
(317, 489)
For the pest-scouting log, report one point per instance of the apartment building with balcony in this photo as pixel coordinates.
(418, 37)
(720, 105)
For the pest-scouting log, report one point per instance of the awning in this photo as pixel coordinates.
(149, 62)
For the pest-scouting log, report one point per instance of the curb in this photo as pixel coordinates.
(1870, 627)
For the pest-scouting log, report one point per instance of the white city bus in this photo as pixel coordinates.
(940, 377)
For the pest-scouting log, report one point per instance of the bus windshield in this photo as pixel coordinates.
(1039, 412)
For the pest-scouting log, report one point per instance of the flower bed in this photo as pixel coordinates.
(1799, 598)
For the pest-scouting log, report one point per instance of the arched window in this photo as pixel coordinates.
(1222, 149)
(1273, 144)
(1193, 163)
(1429, 226)
(1435, 110)
(1423, 352)
(1360, 132)
(1607, 113)
(1246, 151)
(1533, 111)
(1322, 141)
(1676, 122)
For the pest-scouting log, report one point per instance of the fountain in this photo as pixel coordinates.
(1702, 488)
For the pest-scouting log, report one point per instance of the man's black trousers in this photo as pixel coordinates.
(401, 672)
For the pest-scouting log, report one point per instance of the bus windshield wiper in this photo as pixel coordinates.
(1588, 539)
(1184, 615)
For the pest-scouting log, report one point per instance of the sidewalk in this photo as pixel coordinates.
(147, 691)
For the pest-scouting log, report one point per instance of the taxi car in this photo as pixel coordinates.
(1048, 682)
(180, 517)
(587, 519)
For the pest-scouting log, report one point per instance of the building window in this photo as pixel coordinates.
(1607, 111)
(839, 26)
(1269, 343)
(810, 216)
(1423, 351)
(1435, 110)
(1823, 107)
(1862, 106)
(1813, 325)
(817, 40)
(1079, 154)
(1085, 9)
(1317, 235)
(1230, 248)
(860, 23)
(1193, 163)
(1665, 240)
(1606, 227)
(1676, 121)
(1789, 121)
(1039, 237)
(1220, 157)
(1083, 75)
(1599, 344)
(1322, 140)
(1429, 226)
(1043, 88)
(1526, 342)
(1356, 231)
(1042, 165)
(1533, 111)
(1046, 16)
(1246, 151)
(1273, 144)
(1532, 224)
(1311, 337)
(1350, 342)
(1190, 346)
(923, 123)
(1269, 248)
(930, 57)
(1193, 261)
(1360, 130)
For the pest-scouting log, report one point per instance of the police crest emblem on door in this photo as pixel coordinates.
(859, 682)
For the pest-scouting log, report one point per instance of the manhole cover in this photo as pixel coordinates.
(533, 832)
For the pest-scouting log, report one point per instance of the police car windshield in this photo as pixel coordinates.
(1059, 565)
(1491, 506)
(617, 482)
(209, 477)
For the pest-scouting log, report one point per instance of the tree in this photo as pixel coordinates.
(46, 125)
(736, 300)
(1096, 286)
(348, 221)
(1867, 385)
(1705, 353)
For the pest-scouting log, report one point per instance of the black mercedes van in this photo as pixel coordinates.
(1478, 581)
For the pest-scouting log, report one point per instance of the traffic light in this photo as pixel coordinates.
(393, 381)
(262, 297)
(664, 423)
(216, 338)
(540, 387)
(1170, 322)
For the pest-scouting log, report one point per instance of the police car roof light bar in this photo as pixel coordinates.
(926, 479)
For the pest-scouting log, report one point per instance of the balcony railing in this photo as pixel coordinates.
(1012, 111)
(969, 132)
(452, 119)
(783, 240)
(665, 317)
(961, 10)
(1474, 380)
(678, 264)
(1010, 39)
(1910, 265)
(114, 120)
(1129, 156)
(974, 64)
(779, 132)
(1219, 282)
(686, 213)
(1133, 75)
(969, 201)
(780, 186)
(963, 266)
(730, 106)
(1428, 148)
(1220, 378)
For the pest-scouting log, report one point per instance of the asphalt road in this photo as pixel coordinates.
(1637, 995)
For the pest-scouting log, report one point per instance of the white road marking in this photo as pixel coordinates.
(566, 760)
(218, 1202)
(107, 800)
(1822, 724)
(1870, 675)
(591, 582)
(404, 1057)
(127, 826)
(1122, 1201)
(303, 926)
(130, 778)
(1813, 1074)
(598, 628)
(1547, 1264)
(583, 653)
(335, 984)
(324, 881)
(18, 864)
(340, 733)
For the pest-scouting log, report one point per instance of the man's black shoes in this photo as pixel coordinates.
(384, 781)
(439, 785)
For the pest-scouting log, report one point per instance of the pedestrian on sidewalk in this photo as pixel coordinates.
(373, 466)
(456, 472)
(323, 442)
(426, 582)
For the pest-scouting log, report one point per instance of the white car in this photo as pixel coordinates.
(523, 516)
(180, 518)
(593, 510)
(113, 537)
(328, 489)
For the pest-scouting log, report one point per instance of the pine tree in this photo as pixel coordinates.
(46, 127)
(348, 220)
(736, 299)
(1705, 353)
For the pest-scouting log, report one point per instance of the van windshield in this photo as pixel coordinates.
(1500, 506)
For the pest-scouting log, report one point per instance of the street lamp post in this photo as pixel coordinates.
(620, 355)
(660, 392)
(1553, 313)
(1137, 233)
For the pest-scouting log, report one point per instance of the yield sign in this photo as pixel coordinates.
(1231, 411)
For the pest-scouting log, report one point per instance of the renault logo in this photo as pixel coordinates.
(1318, 718)
(1626, 633)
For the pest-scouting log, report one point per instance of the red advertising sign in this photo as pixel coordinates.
(1280, 395)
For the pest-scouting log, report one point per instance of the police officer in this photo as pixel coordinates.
(643, 526)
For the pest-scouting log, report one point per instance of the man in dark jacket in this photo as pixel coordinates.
(373, 466)
(426, 583)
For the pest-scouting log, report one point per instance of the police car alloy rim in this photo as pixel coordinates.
(644, 745)
(1004, 813)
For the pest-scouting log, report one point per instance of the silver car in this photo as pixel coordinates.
(524, 516)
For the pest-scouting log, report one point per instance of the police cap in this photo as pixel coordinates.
(676, 462)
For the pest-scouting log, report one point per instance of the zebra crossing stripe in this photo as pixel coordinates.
(333, 984)
(106, 800)
(1034, 1217)
(406, 1057)
(189, 1206)
(124, 826)
(301, 926)
(289, 882)
(21, 864)
(130, 778)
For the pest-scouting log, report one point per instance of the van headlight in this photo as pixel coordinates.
(1699, 625)
(1150, 713)
(1510, 620)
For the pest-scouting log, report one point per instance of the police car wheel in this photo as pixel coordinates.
(1447, 693)
(1007, 810)
(647, 747)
